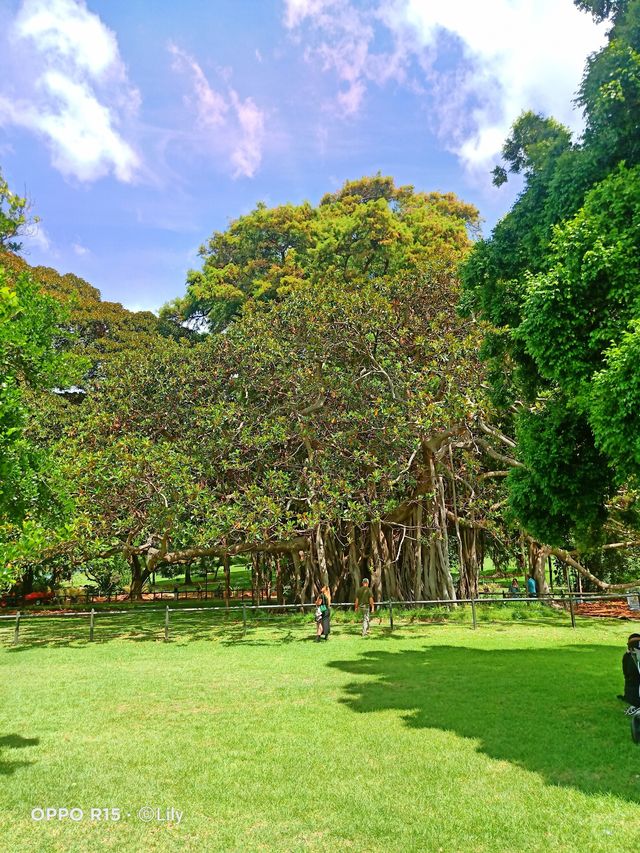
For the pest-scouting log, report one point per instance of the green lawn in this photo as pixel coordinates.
(433, 738)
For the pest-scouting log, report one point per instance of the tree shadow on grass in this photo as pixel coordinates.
(137, 626)
(14, 742)
(143, 627)
(551, 711)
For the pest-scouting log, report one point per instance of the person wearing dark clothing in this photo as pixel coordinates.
(323, 614)
(631, 672)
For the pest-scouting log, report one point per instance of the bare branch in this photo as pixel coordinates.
(496, 433)
(507, 460)
(570, 560)
(611, 546)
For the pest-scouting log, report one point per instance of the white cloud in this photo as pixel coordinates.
(510, 55)
(65, 29)
(297, 10)
(80, 250)
(247, 152)
(518, 54)
(37, 238)
(238, 124)
(210, 106)
(341, 38)
(73, 88)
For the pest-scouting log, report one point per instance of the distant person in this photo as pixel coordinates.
(199, 591)
(364, 600)
(514, 589)
(631, 672)
(532, 592)
(176, 592)
(323, 614)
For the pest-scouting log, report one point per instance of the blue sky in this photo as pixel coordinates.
(138, 127)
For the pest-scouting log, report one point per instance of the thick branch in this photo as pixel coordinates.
(567, 558)
(612, 546)
(507, 460)
(300, 543)
(496, 434)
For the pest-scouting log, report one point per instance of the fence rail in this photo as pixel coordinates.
(394, 612)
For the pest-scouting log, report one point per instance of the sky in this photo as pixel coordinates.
(138, 127)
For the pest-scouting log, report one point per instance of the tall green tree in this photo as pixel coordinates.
(368, 228)
(318, 425)
(32, 498)
(559, 282)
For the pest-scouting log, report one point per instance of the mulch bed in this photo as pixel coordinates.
(613, 609)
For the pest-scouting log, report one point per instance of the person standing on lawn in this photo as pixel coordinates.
(323, 614)
(364, 600)
(532, 592)
(631, 672)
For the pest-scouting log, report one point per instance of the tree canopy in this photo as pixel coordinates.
(369, 228)
(325, 396)
(32, 497)
(320, 411)
(559, 282)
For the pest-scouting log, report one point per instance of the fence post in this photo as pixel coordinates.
(16, 633)
(391, 614)
(93, 613)
(244, 617)
(166, 625)
(473, 612)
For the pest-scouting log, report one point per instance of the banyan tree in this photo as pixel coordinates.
(331, 424)
(327, 431)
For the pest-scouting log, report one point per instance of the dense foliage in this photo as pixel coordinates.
(32, 496)
(559, 280)
(370, 229)
(317, 399)
(310, 413)
(57, 338)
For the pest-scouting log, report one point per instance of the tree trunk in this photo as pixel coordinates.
(354, 564)
(27, 583)
(537, 558)
(417, 552)
(307, 589)
(470, 562)
(255, 581)
(227, 578)
(279, 590)
(297, 589)
(138, 577)
(376, 562)
(322, 558)
(390, 588)
(437, 572)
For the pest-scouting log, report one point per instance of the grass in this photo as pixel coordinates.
(433, 738)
